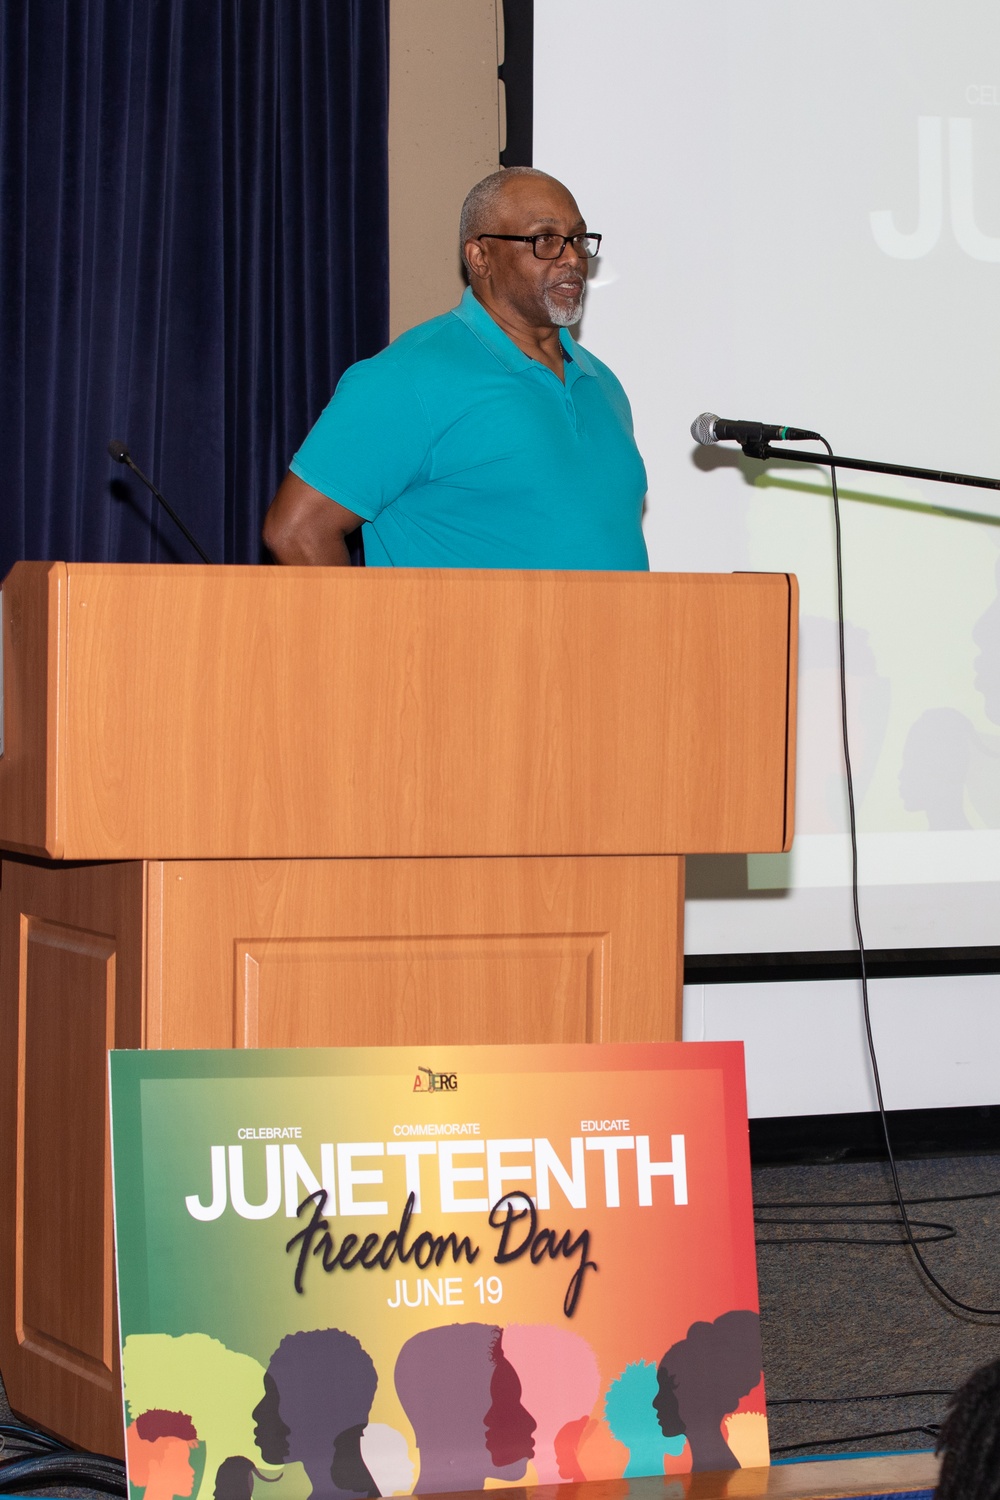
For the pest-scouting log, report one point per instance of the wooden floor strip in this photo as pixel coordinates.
(826, 1479)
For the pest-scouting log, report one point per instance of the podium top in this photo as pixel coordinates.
(199, 712)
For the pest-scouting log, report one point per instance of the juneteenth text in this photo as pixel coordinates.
(514, 1216)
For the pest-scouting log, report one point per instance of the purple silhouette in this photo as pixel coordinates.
(318, 1392)
(702, 1379)
(463, 1399)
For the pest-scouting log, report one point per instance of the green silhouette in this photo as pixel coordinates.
(215, 1386)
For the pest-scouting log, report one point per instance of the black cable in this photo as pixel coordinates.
(948, 1231)
(990, 1312)
(28, 1437)
(881, 1202)
(945, 1232)
(847, 1400)
(82, 1470)
(930, 1428)
(57, 1464)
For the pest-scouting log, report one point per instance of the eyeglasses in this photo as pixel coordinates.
(551, 246)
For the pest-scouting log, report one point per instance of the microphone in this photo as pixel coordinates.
(121, 455)
(708, 428)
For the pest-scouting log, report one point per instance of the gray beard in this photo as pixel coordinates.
(561, 315)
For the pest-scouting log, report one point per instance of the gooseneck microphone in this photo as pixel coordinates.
(708, 428)
(121, 455)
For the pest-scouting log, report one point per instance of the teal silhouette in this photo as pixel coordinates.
(628, 1411)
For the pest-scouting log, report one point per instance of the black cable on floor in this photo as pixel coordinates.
(944, 1232)
(56, 1464)
(81, 1470)
(880, 1202)
(930, 1428)
(27, 1437)
(847, 1400)
(948, 1231)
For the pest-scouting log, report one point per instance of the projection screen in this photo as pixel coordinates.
(801, 211)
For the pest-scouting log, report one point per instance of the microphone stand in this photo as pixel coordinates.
(764, 451)
(121, 455)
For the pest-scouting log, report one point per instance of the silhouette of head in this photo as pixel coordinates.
(386, 1454)
(235, 1476)
(463, 1400)
(986, 634)
(629, 1413)
(509, 1427)
(935, 763)
(199, 1376)
(318, 1392)
(560, 1383)
(158, 1445)
(702, 1379)
(270, 1431)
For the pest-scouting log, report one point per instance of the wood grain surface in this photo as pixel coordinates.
(337, 953)
(825, 1479)
(71, 958)
(34, 677)
(285, 712)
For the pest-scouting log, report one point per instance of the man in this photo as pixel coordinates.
(485, 437)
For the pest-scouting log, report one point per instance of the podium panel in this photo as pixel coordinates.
(239, 713)
(71, 962)
(331, 953)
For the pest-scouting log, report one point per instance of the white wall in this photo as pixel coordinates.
(937, 1041)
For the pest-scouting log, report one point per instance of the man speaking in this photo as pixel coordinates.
(485, 438)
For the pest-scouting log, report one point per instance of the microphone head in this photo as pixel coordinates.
(703, 428)
(118, 451)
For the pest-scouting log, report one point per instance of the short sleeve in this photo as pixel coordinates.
(370, 443)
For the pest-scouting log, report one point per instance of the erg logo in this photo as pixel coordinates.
(434, 1083)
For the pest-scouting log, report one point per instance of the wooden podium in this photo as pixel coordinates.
(279, 807)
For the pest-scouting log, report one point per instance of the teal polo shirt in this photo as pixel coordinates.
(459, 451)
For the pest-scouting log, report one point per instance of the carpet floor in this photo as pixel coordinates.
(855, 1339)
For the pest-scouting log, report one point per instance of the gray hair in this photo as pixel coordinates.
(481, 203)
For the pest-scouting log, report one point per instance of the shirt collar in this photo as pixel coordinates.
(475, 317)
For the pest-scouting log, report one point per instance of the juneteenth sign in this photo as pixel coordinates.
(376, 1271)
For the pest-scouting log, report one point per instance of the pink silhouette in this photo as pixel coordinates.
(560, 1383)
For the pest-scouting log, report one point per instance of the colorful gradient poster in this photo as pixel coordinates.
(375, 1271)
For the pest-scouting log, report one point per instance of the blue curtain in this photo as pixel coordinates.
(193, 246)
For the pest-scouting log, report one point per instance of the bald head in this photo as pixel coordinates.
(484, 206)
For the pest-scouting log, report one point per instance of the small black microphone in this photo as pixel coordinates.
(121, 455)
(708, 428)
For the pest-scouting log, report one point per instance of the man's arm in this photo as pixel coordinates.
(306, 527)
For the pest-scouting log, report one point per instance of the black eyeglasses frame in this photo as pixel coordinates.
(567, 239)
